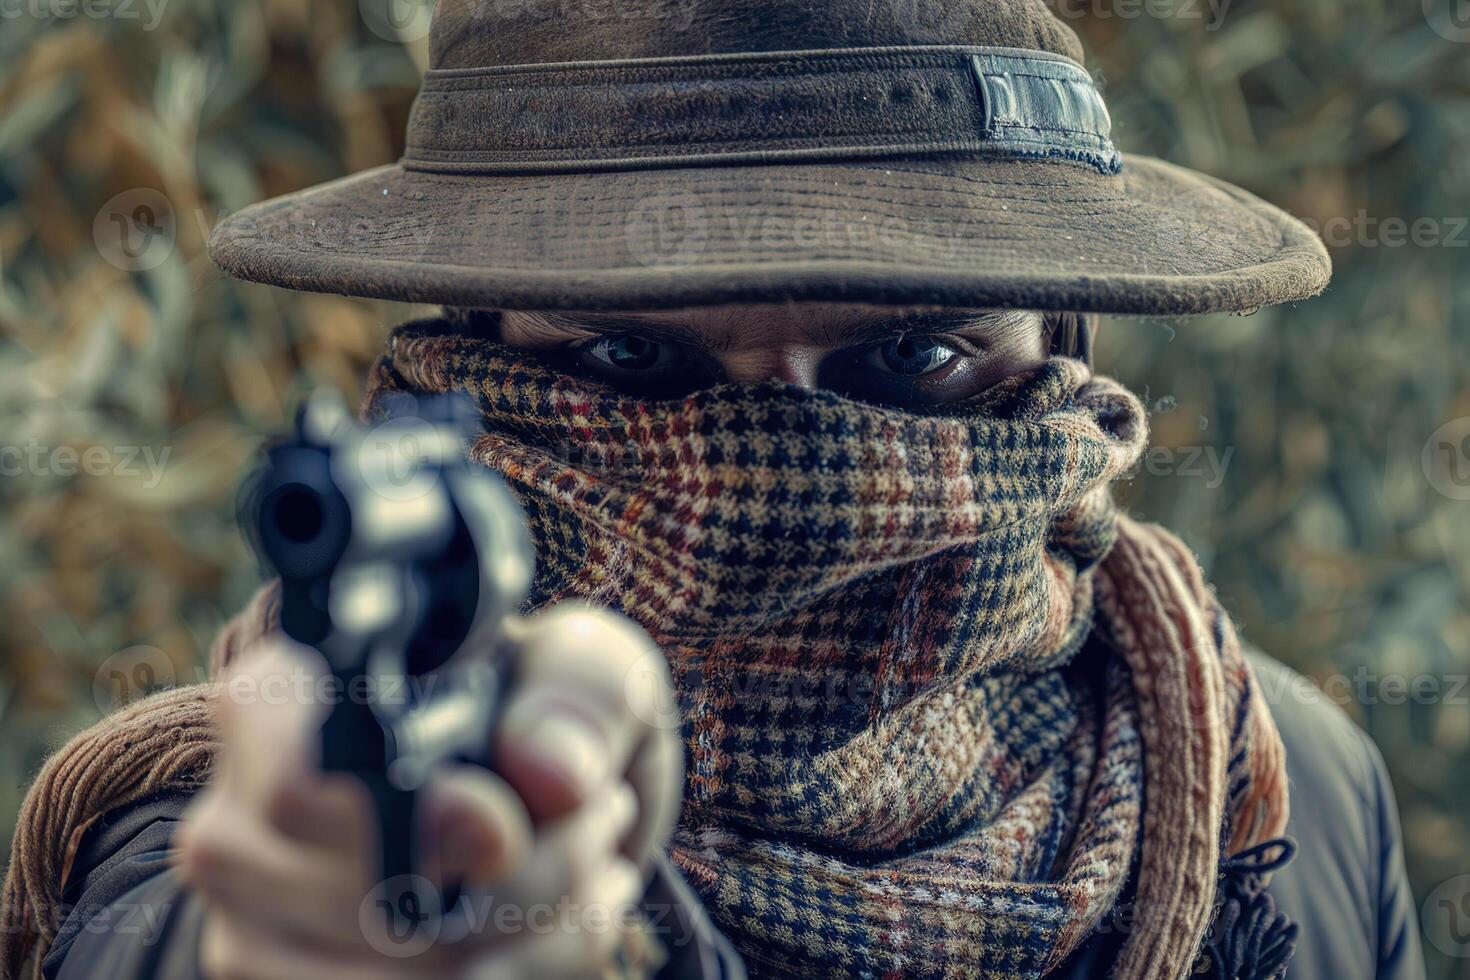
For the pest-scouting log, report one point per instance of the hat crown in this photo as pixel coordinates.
(486, 33)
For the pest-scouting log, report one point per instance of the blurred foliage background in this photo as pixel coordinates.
(1300, 447)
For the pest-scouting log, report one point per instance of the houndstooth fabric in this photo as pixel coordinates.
(929, 730)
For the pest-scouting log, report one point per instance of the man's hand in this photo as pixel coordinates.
(586, 789)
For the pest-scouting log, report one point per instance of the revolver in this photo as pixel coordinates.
(398, 561)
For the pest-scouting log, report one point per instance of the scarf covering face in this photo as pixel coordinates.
(940, 701)
(943, 706)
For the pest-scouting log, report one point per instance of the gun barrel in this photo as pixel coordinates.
(304, 521)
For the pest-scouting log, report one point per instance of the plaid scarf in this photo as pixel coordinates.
(943, 705)
(941, 702)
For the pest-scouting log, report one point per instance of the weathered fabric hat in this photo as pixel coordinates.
(603, 154)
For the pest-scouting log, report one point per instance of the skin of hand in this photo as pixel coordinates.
(586, 788)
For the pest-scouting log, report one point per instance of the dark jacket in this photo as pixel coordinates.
(1346, 888)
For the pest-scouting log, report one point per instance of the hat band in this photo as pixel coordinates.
(827, 105)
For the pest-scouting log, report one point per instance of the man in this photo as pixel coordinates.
(779, 318)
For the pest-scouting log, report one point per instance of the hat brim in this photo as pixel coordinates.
(1034, 234)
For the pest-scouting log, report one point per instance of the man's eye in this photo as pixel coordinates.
(911, 356)
(643, 366)
(913, 371)
(630, 353)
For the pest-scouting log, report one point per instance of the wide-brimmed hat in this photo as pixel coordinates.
(606, 154)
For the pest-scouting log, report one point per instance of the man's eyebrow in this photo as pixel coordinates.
(620, 323)
(919, 321)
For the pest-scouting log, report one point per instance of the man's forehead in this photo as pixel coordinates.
(822, 324)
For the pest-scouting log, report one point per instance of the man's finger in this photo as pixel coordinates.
(236, 861)
(269, 712)
(574, 720)
(238, 949)
(569, 855)
(657, 776)
(479, 826)
(576, 847)
(332, 811)
(577, 938)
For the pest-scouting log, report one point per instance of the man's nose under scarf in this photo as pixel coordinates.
(944, 707)
(941, 702)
